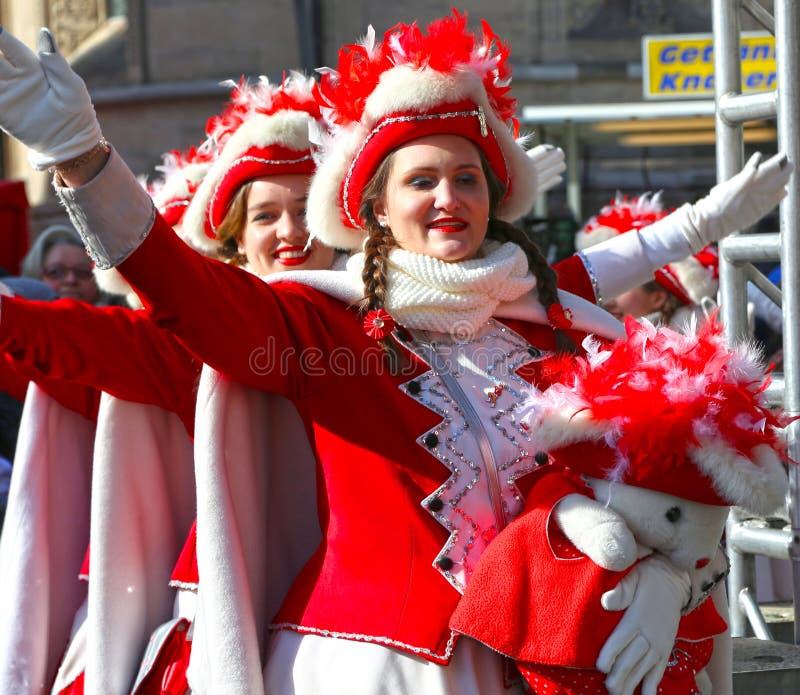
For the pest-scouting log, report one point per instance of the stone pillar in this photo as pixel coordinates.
(23, 19)
(72, 21)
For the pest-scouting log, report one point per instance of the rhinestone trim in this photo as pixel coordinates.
(592, 276)
(387, 641)
(505, 351)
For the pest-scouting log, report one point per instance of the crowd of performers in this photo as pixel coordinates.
(282, 472)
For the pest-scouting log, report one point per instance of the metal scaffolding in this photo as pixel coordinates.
(747, 536)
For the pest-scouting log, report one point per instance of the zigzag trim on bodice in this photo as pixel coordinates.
(475, 500)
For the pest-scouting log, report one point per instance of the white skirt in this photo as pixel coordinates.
(300, 664)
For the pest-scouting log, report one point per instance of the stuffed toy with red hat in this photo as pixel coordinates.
(649, 441)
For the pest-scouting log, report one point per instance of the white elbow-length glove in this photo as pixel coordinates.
(739, 202)
(43, 102)
(653, 594)
(549, 163)
(628, 260)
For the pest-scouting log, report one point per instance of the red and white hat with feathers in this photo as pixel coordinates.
(679, 413)
(263, 131)
(412, 84)
(690, 280)
(181, 175)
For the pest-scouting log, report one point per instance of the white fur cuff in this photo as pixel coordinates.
(112, 212)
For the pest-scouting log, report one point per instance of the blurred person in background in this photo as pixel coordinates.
(58, 259)
(11, 396)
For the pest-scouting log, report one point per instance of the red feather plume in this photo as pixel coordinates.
(447, 46)
(624, 213)
(295, 93)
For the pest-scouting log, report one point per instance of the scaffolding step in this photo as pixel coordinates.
(780, 619)
(762, 667)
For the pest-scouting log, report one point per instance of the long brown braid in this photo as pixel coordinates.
(546, 278)
(376, 253)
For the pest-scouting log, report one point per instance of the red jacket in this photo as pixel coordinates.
(110, 349)
(372, 577)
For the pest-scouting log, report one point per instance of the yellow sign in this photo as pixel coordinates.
(682, 65)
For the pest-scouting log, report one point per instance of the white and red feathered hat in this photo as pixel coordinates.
(412, 84)
(182, 173)
(263, 131)
(690, 279)
(678, 413)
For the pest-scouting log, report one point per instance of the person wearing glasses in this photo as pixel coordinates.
(58, 259)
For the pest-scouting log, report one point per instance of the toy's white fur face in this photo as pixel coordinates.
(687, 532)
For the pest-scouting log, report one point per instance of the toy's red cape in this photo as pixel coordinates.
(536, 598)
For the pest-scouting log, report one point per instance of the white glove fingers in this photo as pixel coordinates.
(542, 152)
(653, 678)
(548, 183)
(554, 160)
(547, 157)
(616, 644)
(553, 171)
(59, 75)
(630, 667)
(754, 162)
(622, 595)
(649, 669)
(46, 42)
(17, 53)
(776, 169)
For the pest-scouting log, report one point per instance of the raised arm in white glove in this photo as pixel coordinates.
(549, 162)
(629, 260)
(43, 103)
(653, 595)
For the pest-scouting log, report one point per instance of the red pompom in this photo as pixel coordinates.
(624, 214)
(378, 324)
(559, 317)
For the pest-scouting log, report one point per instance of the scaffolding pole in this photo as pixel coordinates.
(746, 539)
(788, 64)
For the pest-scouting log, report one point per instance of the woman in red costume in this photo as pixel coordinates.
(409, 403)
(250, 210)
(276, 238)
(146, 418)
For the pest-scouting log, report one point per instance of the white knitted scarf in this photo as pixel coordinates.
(457, 298)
